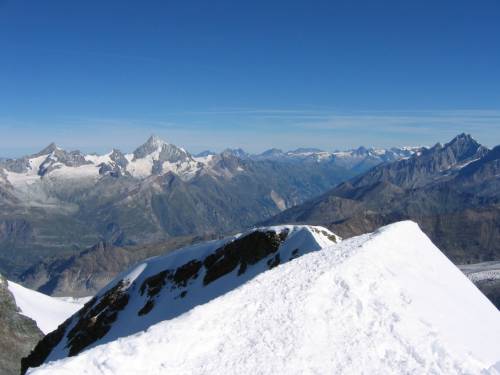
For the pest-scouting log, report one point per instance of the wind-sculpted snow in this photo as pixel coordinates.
(383, 303)
(165, 287)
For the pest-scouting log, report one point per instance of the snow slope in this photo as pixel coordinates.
(383, 303)
(48, 312)
(165, 287)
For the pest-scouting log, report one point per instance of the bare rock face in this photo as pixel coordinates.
(18, 333)
(15, 230)
(86, 273)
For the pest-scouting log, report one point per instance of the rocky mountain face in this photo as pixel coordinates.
(84, 274)
(164, 287)
(59, 203)
(451, 190)
(18, 333)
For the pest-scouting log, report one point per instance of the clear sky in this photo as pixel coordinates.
(254, 74)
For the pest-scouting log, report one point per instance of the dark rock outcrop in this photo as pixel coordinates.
(18, 333)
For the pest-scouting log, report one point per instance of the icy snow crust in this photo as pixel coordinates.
(383, 303)
(48, 312)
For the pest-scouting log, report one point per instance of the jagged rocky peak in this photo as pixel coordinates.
(59, 157)
(460, 149)
(47, 150)
(464, 147)
(485, 168)
(117, 165)
(153, 144)
(161, 150)
(118, 157)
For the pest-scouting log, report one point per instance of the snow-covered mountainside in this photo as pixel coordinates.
(48, 312)
(165, 287)
(384, 303)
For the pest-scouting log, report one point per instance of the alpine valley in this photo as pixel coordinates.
(95, 214)
(306, 261)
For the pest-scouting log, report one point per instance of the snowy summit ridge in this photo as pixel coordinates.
(165, 287)
(381, 303)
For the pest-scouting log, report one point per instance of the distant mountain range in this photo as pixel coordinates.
(451, 190)
(56, 203)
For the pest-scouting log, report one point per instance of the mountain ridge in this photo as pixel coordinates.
(59, 203)
(437, 188)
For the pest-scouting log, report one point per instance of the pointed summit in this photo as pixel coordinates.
(465, 147)
(47, 150)
(462, 139)
(154, 143)
(159, 150)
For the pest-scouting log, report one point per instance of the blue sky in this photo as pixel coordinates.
(215, 74)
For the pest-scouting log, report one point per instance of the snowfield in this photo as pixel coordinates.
(384, 303)
(150, 297)
(48, 312)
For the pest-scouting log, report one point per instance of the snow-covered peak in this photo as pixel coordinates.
(382, 303)
(153, 145)
(157, 157)
(165, 287)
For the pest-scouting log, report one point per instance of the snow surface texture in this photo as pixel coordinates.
(48, 312)
(384, 303)
(170, 303)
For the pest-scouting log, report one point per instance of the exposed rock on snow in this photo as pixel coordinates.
(165, 287)
(383, 303)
